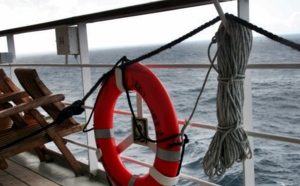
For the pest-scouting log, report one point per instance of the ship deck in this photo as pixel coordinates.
(26, 169)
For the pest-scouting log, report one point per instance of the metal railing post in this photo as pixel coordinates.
(248, 165)
(86, 83)
(11, 48)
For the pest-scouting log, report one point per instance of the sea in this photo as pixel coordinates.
(275, 100)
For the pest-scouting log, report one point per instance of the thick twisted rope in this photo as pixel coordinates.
(230, 142)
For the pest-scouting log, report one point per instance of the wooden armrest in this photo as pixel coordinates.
(4, 98)
(32, 104)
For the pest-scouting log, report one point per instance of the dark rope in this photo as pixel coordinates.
(108, 180)
(188, 35)
(185, 141)
(103, 78)
(27, 136)
(134, 117)
(143, 57)
(152, 53)
(175, 42)
(74, 109)
(264, 32)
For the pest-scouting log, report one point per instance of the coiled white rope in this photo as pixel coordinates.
(230, 142)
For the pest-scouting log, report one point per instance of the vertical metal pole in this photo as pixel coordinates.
(243, 9)
(86, 81)
(249, 178)
(11, 48)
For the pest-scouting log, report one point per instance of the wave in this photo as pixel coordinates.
(231, 179)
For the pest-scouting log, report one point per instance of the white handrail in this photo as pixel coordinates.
(258, 65)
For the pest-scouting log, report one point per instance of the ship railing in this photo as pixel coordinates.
(198, 125)
(153, 7)
(180, 121)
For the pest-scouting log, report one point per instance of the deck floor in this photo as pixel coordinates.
(20, 176)
(26, 169)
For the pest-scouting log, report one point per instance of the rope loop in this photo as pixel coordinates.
(214, 39)
(229, 128)
(232, 79)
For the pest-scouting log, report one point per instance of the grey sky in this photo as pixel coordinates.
(278, 16)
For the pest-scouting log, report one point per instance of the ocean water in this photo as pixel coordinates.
(276, 100)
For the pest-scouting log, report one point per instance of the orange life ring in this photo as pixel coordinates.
(166, 163)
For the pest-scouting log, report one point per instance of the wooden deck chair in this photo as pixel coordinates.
(34, 86)
(8, 86)
(6, 122)
(17, 121)
(9, 136)
(54, 133)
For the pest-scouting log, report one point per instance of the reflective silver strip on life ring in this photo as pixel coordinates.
(162, 179)
(132, 180)
(104, 133)
(119, 79)
(167, 155)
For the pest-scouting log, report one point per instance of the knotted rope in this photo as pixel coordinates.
(230, 142)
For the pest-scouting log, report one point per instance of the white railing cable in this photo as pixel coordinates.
(213, 127)
(80, 144)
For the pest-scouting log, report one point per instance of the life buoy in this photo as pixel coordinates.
(166, 163)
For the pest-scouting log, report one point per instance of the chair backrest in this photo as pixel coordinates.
(34, 86)
(8, 86)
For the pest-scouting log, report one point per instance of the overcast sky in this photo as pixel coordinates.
(277, 16)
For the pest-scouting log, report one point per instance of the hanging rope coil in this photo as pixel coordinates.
(230, 142)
